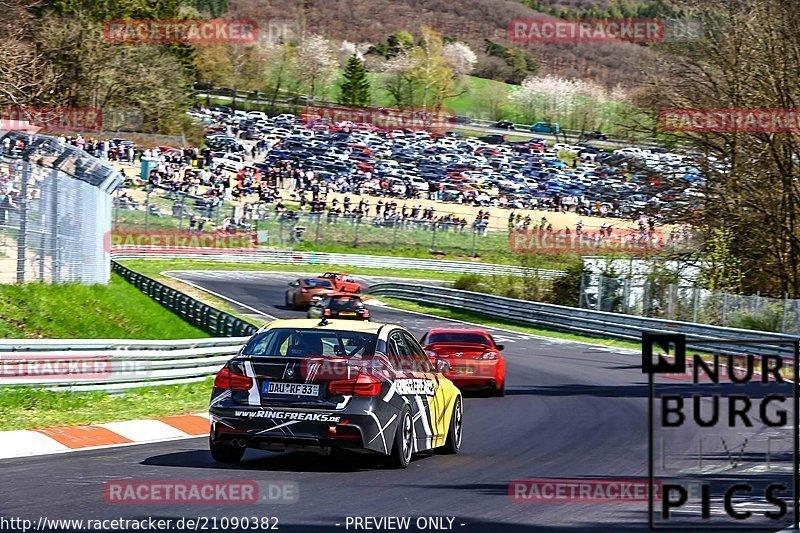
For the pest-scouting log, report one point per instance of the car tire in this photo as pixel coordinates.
(286, 300)
(224, 452)
(501, 390)
(453, 443)
(403, 446)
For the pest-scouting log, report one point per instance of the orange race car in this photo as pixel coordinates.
(342, 282)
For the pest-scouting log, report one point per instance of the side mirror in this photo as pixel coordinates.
(500, 347)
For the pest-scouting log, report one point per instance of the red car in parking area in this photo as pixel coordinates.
(342, 282)
(471, 358)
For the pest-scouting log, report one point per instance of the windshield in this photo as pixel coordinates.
(295, 342)
(459, 338)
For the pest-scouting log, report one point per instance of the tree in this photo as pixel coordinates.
(460, 58)
(315, 64)
(398, 81)
(430, 70)
(747, 58)
(355, 86)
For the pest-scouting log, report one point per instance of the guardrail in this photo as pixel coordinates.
(584, 321)
(290, 257)
(202, 315)
(111, 364)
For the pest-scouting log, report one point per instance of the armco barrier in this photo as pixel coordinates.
(110, 364)
(201, 315)
(583, 321)
(290, 257)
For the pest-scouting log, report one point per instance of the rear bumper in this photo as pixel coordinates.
(279, 428)
(475, 373)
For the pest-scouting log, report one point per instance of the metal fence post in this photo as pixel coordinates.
(355, 233)
(725, 308)
(316, 236)
(582, 291)
(474, 235)
(23, 220)
(147, 208)
(670, 302)
(433, 239)
(116, 209)
(695, 297)
(394, 237)
(785, 308)
(599, 305)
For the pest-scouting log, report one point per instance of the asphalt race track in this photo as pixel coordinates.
(571, 411)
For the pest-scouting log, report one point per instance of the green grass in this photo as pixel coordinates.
(506, 324)
(23, 408)
(114, 311)
(153, 269)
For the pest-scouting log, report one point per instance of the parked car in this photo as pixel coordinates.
(546, 127)
(503, 125)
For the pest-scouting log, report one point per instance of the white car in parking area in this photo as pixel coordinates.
(229, 161)
(257, 115)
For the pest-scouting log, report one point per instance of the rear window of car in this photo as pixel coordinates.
(297, 342)
(345, 303)
(318, 283)
(456, 337)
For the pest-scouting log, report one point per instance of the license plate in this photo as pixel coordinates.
(463, 370)
(293, 389)
(347, 313)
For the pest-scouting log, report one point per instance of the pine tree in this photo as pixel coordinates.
(355, 87)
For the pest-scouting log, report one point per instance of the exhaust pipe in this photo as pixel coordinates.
(239, 443)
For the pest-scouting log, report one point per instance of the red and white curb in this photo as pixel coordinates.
(59, 439)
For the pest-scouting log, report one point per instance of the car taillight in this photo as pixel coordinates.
(327, 312)
(303, 290)
(227, 380)
(363, 385)
(489, 355)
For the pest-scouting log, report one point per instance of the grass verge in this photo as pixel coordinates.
(153, 269)
(505, 324)
(24, 408)
(114, 311)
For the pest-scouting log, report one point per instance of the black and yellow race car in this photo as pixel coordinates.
(320, 384)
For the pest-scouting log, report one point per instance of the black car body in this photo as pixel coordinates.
(306, 384)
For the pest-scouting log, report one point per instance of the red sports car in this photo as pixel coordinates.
(473, 358)
(342, 282)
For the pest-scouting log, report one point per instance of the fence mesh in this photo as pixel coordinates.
(689, 304)
(55, 211)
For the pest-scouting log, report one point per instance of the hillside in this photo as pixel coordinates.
(469, 20)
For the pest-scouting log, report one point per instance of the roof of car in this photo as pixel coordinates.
(333, 324)
(457, 330)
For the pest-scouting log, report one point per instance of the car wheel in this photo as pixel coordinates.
(501, 390)
(403, 441)
(453, 443)
(223, 452)
(286, 300)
